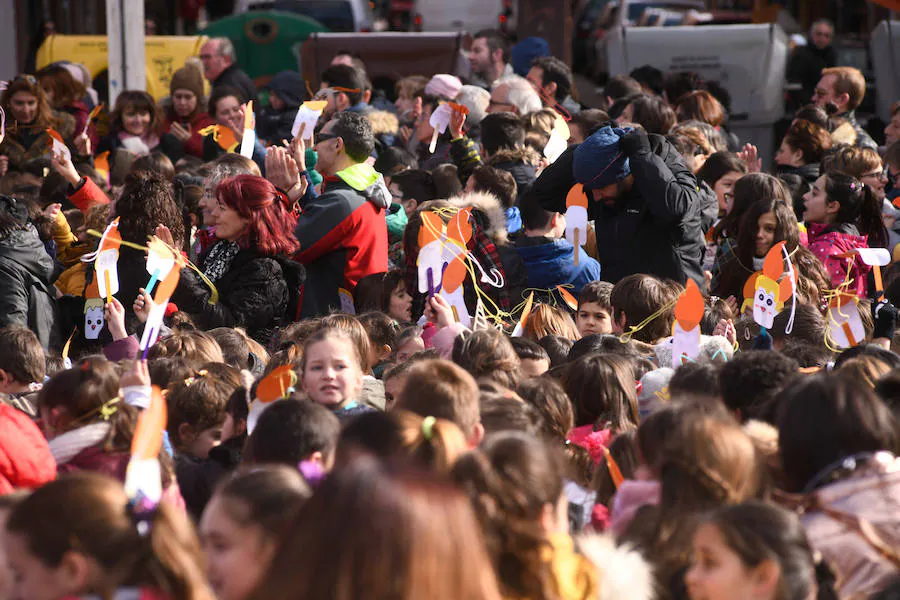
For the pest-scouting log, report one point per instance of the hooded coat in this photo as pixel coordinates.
(343, 237)
(275, 125)
(653, 228)
(26, 296)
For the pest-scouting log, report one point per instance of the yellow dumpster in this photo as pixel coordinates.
(164, 55)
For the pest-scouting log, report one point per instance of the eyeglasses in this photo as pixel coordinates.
(324, 137)
(876, 174)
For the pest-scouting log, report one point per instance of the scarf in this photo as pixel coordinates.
(218, 261)
(67, 446)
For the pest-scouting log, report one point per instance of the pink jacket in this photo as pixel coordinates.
(828, 245)
(872, 494)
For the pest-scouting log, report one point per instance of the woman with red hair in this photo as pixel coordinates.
(258, 284)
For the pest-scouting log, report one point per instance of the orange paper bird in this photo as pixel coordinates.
(54, 135)
(148, 435)
(577, 197)
(459, 232)
(460, 108)
(277, 384)
(576, 217)
(523, 318)
(689, 309)
(431, 229)
(223, 136)
(94, 112)
(567, 297)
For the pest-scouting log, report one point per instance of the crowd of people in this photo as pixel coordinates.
(517, 422)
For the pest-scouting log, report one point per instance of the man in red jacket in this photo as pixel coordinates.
(343, 233)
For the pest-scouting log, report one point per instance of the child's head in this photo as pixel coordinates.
(429, 442)
(197, 409)
(557, 348)
(503, 410)
(358, 334)
(196, 348)
(594, 308)
(382, 330)
(409, 341)
(22, 359)
(515, 485)
(85, 394)
(77, 536)
(239, 349)
(394, 377)
(635, 298)
(603, 390)
(751, 549)
(385, 292)
(330, 368)
(495, 181)
(766, 223)
(489, 355)
(749, 189)
(533, 359)
(547, 320)
(438, 388)
(752, 379)
(243, 524)
(291, 431)
(837, 199)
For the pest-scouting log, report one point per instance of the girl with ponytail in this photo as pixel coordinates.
(79, 536)
(843, 214)
(515, 484)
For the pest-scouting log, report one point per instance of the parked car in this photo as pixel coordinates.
(336, 15)
(463, 15)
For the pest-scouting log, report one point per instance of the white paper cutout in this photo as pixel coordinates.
(559, 140)
(684, 343)
(347, 305)
(152, 326)
(107, 273)
(308, 116)
(845, 327)
(440, 120)
(94, 318)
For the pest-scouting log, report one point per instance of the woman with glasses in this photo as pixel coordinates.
(28, 115)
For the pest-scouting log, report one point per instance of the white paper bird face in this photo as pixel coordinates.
(764, 307)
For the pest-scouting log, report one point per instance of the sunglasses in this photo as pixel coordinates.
(324, 137)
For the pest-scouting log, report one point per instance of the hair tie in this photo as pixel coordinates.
(428, 428)
(190, 380)
(109, 408)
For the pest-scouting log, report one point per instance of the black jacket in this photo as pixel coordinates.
(805, 67)
(654, 228)
(256, 293)
(26, 297)
(809, 173)
(234, 77)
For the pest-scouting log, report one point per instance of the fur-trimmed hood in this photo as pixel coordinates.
(492, 217)
(383, 122)
(506, 155)
(621, 570)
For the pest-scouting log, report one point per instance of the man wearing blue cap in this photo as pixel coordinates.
(644, 201)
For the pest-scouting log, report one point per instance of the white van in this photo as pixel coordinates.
(461, 15)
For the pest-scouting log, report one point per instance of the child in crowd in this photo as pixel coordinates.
(331, 373)
(79, 536)
(22, 367)
(594, 309)
(293, 431)
(243, 525)
(382, 330)
(533, 359)
(635, 298)
(385, 292)
(843, 215)
(441, 389)
(196, 416)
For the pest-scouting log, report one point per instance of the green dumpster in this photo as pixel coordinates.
(265, 42)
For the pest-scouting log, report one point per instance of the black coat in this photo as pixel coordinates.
(26, 296)
(654, 228)
(255, 293)
(235, 78)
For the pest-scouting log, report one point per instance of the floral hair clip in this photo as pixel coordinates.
(193, 378)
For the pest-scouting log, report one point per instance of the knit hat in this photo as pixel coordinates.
(188, 78)
(444, 86)
(598, 161)
(524, 53)
(654, 392)
(712, 348)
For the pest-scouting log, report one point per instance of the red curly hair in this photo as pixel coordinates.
(271, 221)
